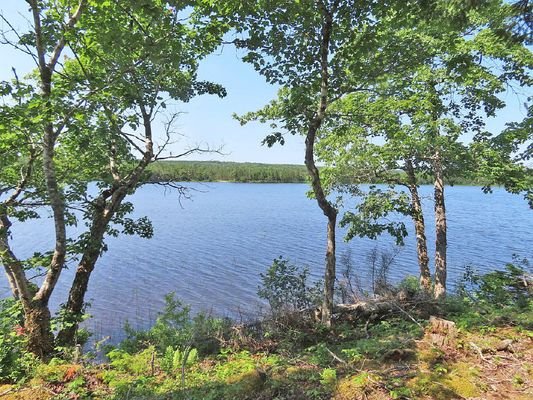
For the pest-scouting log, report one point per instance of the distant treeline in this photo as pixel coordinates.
(213, 171)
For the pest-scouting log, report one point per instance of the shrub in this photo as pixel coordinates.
(176, 333)
(510, 287)
(410, 285)
(286, 287)
(15, 362)
(138, 364)
(328, 377)
(503, 295)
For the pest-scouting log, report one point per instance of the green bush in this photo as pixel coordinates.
(137, 364)
(503, 296)
(328, 377)
(410, 285)
(15, 362)
(510, 287)
(174, 329)
(286, 287)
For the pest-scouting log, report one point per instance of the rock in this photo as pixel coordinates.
(505, 345)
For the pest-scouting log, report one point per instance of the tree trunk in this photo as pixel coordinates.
(37, 317)
(440, 225)
(105, 208)
(76, 300)
(36, 313)
(37, 329)
(58, 210)
(329, 276)
(420, 229)
(35, 305)
(329, 211)
(12, 283)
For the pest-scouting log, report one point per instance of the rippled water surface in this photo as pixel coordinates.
(211, 249)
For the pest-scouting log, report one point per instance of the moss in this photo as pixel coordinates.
(426, 384)
(430, 355)
(447, 382)
(27, 393)
(462, 380)
(355, 387)
(244, 384)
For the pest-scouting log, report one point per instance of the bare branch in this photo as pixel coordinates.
(26, 49)
(188, 152)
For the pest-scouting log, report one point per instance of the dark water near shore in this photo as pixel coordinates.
(211, 250)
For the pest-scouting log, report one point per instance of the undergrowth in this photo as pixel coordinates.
(288, 355)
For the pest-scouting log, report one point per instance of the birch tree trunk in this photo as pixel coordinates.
(420, 228)
(36, 311)
(440, 234)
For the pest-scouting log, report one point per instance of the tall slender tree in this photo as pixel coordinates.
(103, 77)
(424, 115)
(320, 52)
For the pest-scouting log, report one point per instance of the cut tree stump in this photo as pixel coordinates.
(441, 332)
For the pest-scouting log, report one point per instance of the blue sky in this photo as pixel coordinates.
(207, 120)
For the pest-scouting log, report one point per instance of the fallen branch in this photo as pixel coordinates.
(478, 350)
(336, 357)
(6, 391)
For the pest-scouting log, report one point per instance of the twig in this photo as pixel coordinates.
(185, 356)
(336, 357)
(406, 313)
(6, 391)
(152, 360)
(477, 349)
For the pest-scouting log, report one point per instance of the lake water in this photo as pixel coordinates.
(211, 249)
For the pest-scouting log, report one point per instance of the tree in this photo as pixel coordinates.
(319, 52)
(423, 116)
(96, 112)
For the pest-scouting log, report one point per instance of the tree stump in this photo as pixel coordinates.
(441, 332)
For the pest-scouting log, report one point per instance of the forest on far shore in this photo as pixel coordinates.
(229, 171)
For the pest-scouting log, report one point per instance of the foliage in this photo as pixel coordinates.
(286, 287)
(328, 377)
(502, 296)
(354, 360)
(502, 159)
(173, 360)
(16, 363)
(370, 216)
(175, 329)
(410, 285)
(89, 128)
(138, 363)
(414, 123)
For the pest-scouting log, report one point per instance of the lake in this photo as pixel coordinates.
(211, 249)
